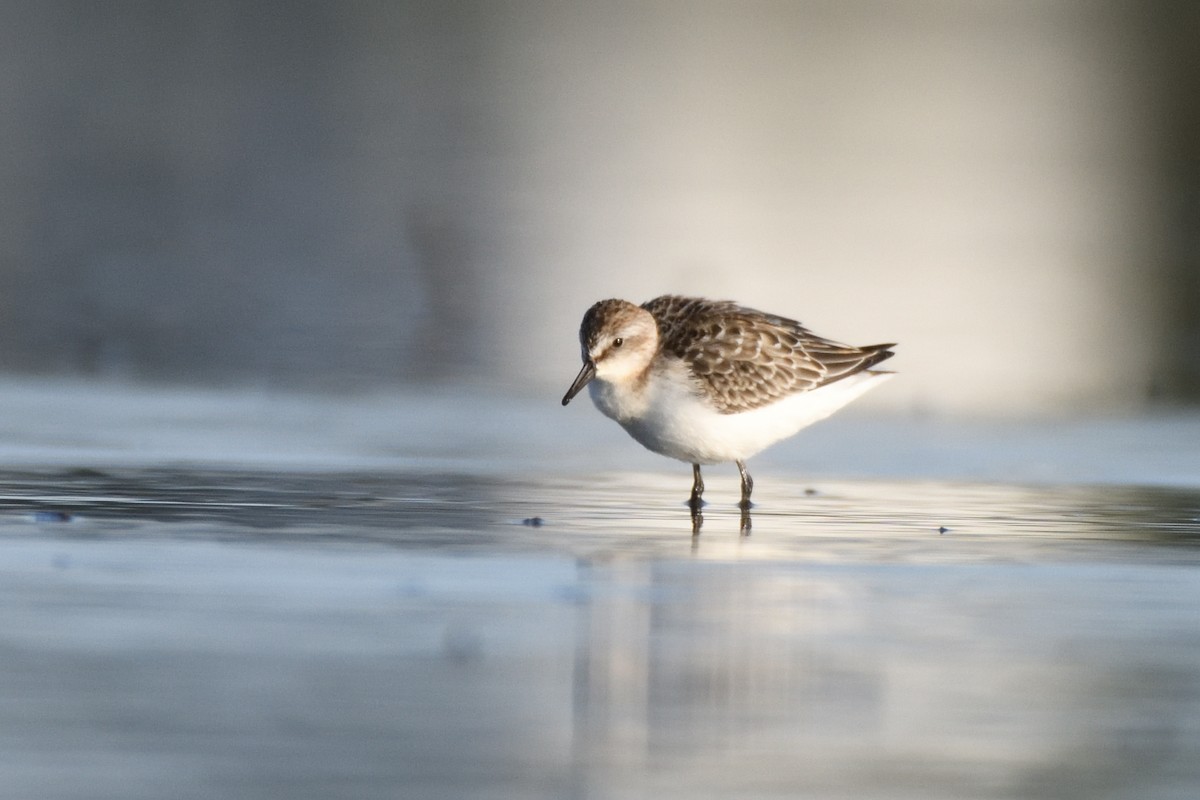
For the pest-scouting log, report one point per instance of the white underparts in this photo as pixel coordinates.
(667, 415)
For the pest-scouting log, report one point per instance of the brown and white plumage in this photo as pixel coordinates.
(747, 359)
(709, 381)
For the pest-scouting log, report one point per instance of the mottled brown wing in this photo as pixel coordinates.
(745, 358)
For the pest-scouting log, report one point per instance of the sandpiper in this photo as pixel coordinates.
(710, 381)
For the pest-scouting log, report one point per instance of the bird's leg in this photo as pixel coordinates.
(747, 484)
(697, 489)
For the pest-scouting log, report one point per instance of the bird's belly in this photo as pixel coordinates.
(686, 428)
(697, 434)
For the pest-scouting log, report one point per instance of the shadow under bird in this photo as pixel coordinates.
(710, 381)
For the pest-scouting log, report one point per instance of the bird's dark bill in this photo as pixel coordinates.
(581, 380)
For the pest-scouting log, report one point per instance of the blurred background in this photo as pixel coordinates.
(325, 195)
(350, 243)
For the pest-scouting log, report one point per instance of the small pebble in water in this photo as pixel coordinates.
(51, 516)
(533, 522)
(85, 472)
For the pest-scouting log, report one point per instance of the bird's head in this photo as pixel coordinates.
(617, 341)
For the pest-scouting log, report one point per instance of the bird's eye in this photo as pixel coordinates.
(617, 342)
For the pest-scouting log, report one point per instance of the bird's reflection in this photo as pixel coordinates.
(744, 522)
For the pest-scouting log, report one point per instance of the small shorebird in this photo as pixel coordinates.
(709, 381)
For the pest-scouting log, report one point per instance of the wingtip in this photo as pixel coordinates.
(881, 351)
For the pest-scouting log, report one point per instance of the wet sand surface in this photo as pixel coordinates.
(198, 632)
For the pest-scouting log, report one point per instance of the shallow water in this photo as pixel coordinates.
(200, 633)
